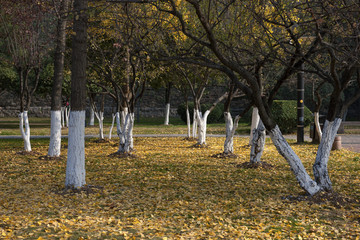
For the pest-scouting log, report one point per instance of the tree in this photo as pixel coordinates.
(56, 95)
(75, 166)
(28, 45)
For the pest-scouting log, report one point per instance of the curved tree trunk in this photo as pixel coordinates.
(317, 125)
(254, 123)
(202, 123)
(25, 133)
(257, 143)
(294, 161)
(320, 167)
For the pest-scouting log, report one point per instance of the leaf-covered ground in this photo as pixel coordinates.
(173, 191)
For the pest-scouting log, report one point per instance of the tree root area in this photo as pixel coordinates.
(248, 165)
(332, 198)
(27, 153)
(224, 155)
(198, 145)
(87, 189)
(122, 155)
(49, 158)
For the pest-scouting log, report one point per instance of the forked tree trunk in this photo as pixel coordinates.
(126, 140)
(55, 134)
(202, 123)
(231, 127)
(317, 125)
(100, 118)
(254, 123)
(25, 132)
(188, 123)
(320, 167)
(112, 125)
(257, 143)
(294, 161)
(167, 114)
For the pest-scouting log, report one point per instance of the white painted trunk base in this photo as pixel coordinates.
(320, 166)
(294, 161)
(92, 117)
(55, 134)
(62, 117)
(167, 114)
(194, 126)
(100, 118)
(255, 118)
(25, 132)
(126, 142)
(257, 143)
(202, 123)
(112, 125)
(75, 165)
(188, 123)
(67, 114)
(231, 127)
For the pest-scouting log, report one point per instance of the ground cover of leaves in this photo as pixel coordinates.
(173, 191)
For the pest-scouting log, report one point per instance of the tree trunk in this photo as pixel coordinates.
(100, 118)
(55, 134)
(92, 117)
(75, 166)
(188, 123)
(112, 125)
(62, 117)
(55, 130)
(25, 133)
(67, 115)
(167, 114)
(317, 125)
(202, 122)
(194, 126)
(126, 139)
(257, 143)
(294, 161)
(320, 167)
(254, 123)
(231, 127)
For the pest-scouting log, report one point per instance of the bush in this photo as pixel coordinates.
(285, 115)
(215, 116)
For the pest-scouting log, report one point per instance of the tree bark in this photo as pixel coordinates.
(254, 123)
(202, 123)
(167, 114)
(294, 161)
(320, 166)
(55, 134)
(188, 123)
(92, 117)
(257, 143)
(317, 125)
(75, 166)
(112, 125)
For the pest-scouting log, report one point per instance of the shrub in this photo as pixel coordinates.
(285, 115)
(215, 116)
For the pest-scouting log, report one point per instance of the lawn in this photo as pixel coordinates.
(171, 190)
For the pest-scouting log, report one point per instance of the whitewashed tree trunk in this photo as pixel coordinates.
(320, 166)
(100, 118)
(25, 132)
(202, 123)
(188, 123)
(130, 139)
(194, 126)
(126, 140)
(231, 127)
(62, 117)
(167, 114)
(294, 161)
(254, 122)
(75, 166)
(317, 125)
(112, 125)
(122, 130)
(118, 125)
(257, 143)
(67, 114)
(55, 132)
(92, 117)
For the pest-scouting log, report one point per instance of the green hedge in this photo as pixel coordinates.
(285, 115)
(216, 115)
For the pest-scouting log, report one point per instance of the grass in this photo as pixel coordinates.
(172, 191)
